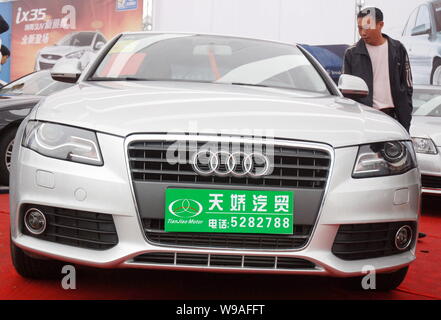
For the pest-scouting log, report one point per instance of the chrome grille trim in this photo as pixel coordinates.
(293, 167)
(185, 137)
(204, 260)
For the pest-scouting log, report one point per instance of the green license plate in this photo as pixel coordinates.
(229, 211)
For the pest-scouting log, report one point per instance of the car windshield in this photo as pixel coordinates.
(38, 83)
(427, 104)
(82, 39)
(212, 59)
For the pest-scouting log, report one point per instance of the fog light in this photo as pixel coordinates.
(35, 221)
(403, 238)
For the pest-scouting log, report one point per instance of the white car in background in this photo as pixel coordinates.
(72, 46)
(422, 38)
(213, 153)
(426, 135)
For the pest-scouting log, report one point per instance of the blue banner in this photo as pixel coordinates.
(123, 5)
(6, 12)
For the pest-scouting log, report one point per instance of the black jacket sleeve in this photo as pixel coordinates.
(407, 83)
(347, 65)
(4, 26)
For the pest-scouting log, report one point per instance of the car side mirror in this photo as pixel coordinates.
(99, 45)
(351, 86)
(68, 70)
(420, 30)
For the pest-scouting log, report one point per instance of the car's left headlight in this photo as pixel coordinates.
(384, 159)
(424, 145)
(76, 54)
(62, 142)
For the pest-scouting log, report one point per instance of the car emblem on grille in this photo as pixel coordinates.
(238, 164)
(185, 208)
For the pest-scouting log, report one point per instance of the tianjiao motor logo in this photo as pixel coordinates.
(122, 5)
(185, 208)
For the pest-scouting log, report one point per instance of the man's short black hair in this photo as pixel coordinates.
(5, 51)
(379, 17)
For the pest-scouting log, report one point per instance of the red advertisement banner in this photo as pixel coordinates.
(46, 31)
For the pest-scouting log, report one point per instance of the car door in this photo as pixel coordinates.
(407, 32)
(420, 48)
(407, 35)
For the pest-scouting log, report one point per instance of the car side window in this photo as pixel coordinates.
(423, 18)
(101, 38)
(411, 23)
(83, 39)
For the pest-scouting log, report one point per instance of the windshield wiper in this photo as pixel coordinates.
(258, 85)
(121, 79)
(247, 84)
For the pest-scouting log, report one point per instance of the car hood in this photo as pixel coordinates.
(11, 102)
(61, 50)
(427, 127)
(124, 108)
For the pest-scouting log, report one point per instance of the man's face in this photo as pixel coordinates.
(4, 59)
(369, 29)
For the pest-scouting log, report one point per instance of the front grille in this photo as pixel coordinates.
(431, 182)
(293, 167)
(45, 66)
(76, 228)
(367, 241)
(51, 56)
(225, 261)
(154, 231)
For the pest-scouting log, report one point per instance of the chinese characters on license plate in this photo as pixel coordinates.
(229, 211)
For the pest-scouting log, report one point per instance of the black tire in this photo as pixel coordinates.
(384, 281)
(436, 65)
(5, 139)
(33, 268)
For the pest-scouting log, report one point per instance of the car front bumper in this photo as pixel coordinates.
(40, 180)
(430, 167)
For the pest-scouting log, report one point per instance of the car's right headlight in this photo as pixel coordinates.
(62, 142)
(384, 159)
(424, 145)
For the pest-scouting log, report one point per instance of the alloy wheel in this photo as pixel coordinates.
(8, 155)
(437, 77)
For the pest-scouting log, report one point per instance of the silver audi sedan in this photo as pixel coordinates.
(426, 135)
(212, 153)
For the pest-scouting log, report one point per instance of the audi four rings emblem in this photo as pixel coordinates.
(238, 164)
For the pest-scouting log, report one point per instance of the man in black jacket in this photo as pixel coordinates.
(5, 54)
(384, 64)
(4, 26)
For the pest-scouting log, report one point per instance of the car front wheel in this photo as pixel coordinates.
(6, 145)
(435, 78)
(29, 267)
